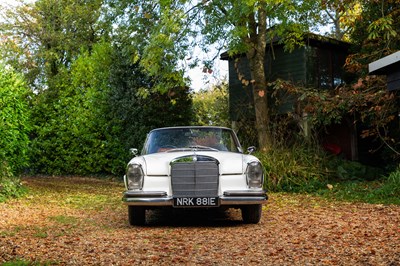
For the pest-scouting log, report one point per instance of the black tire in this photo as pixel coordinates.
(136, 215)
(251, 214)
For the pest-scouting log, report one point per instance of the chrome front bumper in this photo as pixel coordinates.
(160, 198)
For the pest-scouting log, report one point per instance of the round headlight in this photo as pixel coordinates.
(134, 177)
(254, 174)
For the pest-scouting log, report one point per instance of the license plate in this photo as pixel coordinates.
(196, 202)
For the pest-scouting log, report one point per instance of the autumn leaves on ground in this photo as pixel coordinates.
(82, 221)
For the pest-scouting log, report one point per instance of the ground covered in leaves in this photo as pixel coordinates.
(82, 221)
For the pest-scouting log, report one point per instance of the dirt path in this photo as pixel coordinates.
(81, 221)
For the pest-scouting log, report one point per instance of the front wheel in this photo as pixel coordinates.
(136, 215)
(251, 214)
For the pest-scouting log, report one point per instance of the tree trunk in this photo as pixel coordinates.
(257, 42)
(261, 107)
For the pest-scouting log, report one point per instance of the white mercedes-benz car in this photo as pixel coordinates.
(194, 167)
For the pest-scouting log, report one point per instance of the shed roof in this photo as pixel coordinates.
(309, 39)
(385, 65)
(389, 66)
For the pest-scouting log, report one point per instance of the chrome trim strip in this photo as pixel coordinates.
(166, 201)
(144, 194)
(242, 200)
(245, 193)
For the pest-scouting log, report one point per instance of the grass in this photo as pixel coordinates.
(28, 263)
(12, 232)
(41, 232)
(384, 190)
(374, 192)
(85, 198)
(64, 219)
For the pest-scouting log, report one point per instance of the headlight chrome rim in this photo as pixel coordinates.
(134, 177)
(254, 175)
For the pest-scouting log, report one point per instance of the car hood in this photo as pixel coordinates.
(159, 163)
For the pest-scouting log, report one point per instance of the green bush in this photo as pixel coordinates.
(345, 170)
(10, 186)
(390, 186)
(14, 130)
(296, 168)
(93, 113)
(306, 168)
(71, 133)
(14, 120)
(385, 190)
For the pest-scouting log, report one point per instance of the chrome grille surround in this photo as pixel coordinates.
(195, 176)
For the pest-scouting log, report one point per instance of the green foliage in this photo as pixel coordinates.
(135, 115)
(210, 106)
(99, 113)
(377, 33)
(167, 33)
(391, 185)
(161, 38)
(340, 16)
(93, 101)
(45, 36)
(10, 186)
(14, 131)
(71, 127)
(14, 120)
(385, 190)
(303, 169)
(294, 168)
(382, 27)
(345, 170)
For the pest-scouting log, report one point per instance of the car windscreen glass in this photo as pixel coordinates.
(167, 139)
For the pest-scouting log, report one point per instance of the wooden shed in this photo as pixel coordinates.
(316, 64)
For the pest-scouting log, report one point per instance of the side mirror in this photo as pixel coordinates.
(251, 149)
(133, 151)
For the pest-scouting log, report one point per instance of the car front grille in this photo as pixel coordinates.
(195, 179)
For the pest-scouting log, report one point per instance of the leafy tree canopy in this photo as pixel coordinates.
(43, 36)
(167, 31)
(211, 106)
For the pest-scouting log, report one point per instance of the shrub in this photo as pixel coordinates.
(93, 113)
(385, 190)
(391, 185)
(14, 122)
(14, 130)
(345, 170)
(297, 168)
(10, 186)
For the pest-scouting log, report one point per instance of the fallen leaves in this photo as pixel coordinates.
(82, 221)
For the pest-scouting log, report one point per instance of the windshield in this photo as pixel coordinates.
(201, 138)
